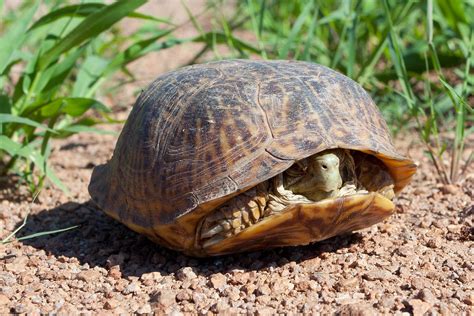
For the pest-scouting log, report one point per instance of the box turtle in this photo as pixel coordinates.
(243, 155)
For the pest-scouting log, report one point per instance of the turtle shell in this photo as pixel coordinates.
(200, 135)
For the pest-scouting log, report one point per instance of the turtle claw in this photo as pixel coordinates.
(214, 240)
(212, 231)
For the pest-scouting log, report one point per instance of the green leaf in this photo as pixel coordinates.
(71, 106)
(13, 233)
(26, 83)
(55, 180)
(8, 118)
(79, 10)
(85, 129)
(220, 38)
(90, 27)
(84, 10)
(5, 104)
(311, 33)
(135, 51)
(33, 155)
(15, 36)
(8, 145)
(49, 232)
(54, 76)
(36, 235)
(453, 11)
(142, 16)
(91, 70)
(295, 30)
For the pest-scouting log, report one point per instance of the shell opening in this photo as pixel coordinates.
(330, 174)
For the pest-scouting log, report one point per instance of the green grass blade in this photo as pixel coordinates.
(461, 116)
(261, 15)
(142, 16)
(332, 17)
(90, 71)
(133, 52)
(33, 155)
(192, 18)
(15, 36)
(311, 34)
(229, 35)
(453, 12)
(368, 67)
(40, 161)
(74, 107)
(59, 72)
(78, 10)
(295, 30)
(340, 45)
(257, 26)
(9, 146)
(90, 27)
(352, 44)
(9, 118)
(84, 10)
(13, 233)
(85, 129)
(5, 104)
(49, 232)
(221, 38)
(399, 63)
(49, 173)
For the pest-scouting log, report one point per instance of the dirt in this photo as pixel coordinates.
(419, 261)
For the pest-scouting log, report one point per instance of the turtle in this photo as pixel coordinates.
(243, 155)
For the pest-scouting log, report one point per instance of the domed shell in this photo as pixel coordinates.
(207, 132)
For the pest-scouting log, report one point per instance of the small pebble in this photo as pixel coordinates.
(111, 304)
(165, 298)
(186, 274)
(380, 275)
(419, 307)
(218, 281)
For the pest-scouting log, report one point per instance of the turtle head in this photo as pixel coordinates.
(325, 172)
(322, 174)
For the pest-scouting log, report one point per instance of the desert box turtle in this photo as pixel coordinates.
(242, 155)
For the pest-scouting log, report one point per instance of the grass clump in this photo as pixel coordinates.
(51, 69)
(414, 57)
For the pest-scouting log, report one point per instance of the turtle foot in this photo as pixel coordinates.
(241, 212)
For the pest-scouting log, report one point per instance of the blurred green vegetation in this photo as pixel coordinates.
(50, 70)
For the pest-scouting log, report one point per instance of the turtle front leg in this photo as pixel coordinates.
(239, 213)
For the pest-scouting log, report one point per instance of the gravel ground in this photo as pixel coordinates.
(418, 261)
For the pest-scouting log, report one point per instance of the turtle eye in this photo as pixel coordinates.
(324, 166)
